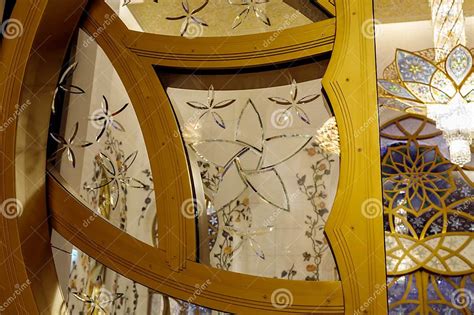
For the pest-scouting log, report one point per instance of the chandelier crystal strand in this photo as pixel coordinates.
(456, 120)
(327, 137)
(448, 22)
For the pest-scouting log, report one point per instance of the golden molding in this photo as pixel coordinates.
(357, 239)
(145, 264)
(216, 52)
(25, 254)
(328, 5)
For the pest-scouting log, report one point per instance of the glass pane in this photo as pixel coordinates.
(89, 287)
(263, 147)
(424, 62)
(196, 18)
(403, 295)
(96, 143)
(442, 295)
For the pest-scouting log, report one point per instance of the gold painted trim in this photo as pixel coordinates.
(13, 54)
(38, 48)
(357, 240)
(228, 291)
(328, 5)
(216, 52)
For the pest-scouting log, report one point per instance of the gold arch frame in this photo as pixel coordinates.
(170, 269)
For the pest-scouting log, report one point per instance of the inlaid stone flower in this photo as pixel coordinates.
(250, 6)
(293, 103)
(117, 177)
(189, 16)
(99, 299)
(105, 118)
(63, 85)
(247, 236)
(252, 159)
(67, 145)
(211, 107)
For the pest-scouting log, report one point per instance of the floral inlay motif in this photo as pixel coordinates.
(99, 300)
(67, 145)
(293, 104)
(249, 173)
(236, 171)
(92, 288)
(105, 118)
(250, 6)
(65, 85)
(316, 192)
(189, 16)
(210, 107)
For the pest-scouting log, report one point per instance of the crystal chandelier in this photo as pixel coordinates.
(438, 83)
(448, 23)
(327, 137)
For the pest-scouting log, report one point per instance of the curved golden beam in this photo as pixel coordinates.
(354, 230)
(229, 291)
(216, 52)
(30, 63)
